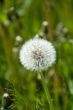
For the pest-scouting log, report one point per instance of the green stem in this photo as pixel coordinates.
(47, 92)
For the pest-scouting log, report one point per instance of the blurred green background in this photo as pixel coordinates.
(22, 19)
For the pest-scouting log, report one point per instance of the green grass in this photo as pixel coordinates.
(25, 18)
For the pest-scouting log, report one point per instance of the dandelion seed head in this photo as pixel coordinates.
(2, 108)
(5, 95)
(37, 54)
(45, 23)
(19, 38)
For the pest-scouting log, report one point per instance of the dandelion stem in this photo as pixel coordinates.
(46, 92)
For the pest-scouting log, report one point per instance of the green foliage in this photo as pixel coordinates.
(24, 18)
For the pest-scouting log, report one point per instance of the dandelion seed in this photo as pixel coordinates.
(37, 54)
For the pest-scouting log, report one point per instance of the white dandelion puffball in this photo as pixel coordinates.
(37, 54)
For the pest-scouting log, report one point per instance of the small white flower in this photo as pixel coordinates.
(37, 54)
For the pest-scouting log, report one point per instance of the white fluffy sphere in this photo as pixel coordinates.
(37, 54)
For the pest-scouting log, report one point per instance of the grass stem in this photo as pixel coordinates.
(48, 96)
